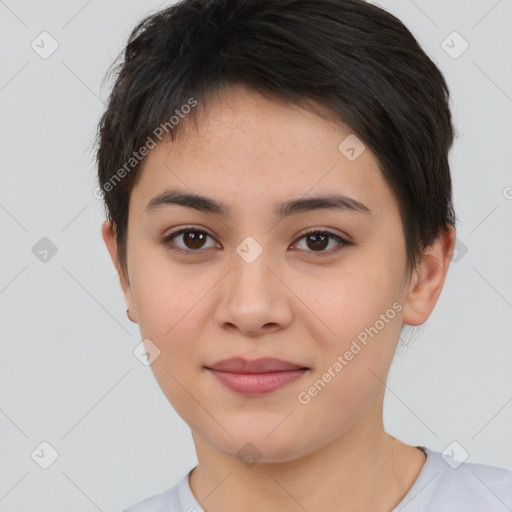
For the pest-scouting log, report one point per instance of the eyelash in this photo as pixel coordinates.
(166, 240)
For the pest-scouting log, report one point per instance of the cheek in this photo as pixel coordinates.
(166, 296)
(353, 369)
(173, 307)
(364, 319)
(171, 314)
(349, 303)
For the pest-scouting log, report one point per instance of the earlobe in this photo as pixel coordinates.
(109, 237)
(428, 280)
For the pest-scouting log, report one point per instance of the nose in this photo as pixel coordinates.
(254, 298)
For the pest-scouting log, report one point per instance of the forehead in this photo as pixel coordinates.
(248, 151)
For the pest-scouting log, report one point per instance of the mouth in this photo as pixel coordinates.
(258, 376)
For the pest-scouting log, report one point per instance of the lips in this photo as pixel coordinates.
(256, 377)
(262, 365)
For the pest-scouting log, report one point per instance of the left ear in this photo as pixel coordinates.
(428, 279)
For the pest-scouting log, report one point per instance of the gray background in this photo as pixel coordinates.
(68, 375)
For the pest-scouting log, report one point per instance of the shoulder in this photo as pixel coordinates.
(469, 487)
(167, 501)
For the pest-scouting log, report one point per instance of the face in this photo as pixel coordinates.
(255, 284)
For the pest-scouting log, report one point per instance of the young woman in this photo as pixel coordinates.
(278, 194)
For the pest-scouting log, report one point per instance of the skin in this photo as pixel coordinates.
(293, 302)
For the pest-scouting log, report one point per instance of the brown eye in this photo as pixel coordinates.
(317, 241)
(192, 240)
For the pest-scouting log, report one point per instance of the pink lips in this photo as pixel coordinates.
(256, 377)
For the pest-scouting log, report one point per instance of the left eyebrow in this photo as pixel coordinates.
(285, 209)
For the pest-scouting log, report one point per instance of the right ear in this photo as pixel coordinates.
(109, 236)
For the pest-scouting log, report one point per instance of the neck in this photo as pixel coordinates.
(365, 469)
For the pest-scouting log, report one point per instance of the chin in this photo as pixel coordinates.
(252, 446)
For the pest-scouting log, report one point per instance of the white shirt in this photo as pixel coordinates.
(440, 487)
